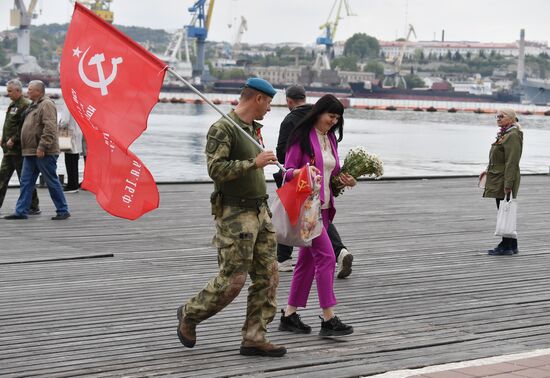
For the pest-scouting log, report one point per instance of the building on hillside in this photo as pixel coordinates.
(307, 76)
(391, 49)
(278, 75)
(338, 48)
(351, 76)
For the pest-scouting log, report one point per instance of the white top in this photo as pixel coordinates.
(66, 120)
(329, 163)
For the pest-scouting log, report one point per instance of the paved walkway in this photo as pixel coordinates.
(97, 296)
(531, 364)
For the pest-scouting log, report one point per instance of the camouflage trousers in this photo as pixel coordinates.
(246, 246)
(10, 164)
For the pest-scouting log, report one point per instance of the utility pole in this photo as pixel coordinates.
(521, 57)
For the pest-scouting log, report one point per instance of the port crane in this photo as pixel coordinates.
(100, 7)
(173, 55)
(198, 29)
(243, 26)
(392, 76)
(21, 17)
(322, 61)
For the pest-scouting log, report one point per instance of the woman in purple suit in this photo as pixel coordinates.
(314, 141)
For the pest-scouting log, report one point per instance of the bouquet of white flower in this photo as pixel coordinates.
(358, 163)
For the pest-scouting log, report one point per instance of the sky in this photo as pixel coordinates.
(299, 20)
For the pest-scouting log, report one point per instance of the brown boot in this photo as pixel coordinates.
(186, 330)
(267, 349)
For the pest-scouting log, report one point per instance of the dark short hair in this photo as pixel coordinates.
(296, 92)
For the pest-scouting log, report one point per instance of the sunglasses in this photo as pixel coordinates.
(500, 116)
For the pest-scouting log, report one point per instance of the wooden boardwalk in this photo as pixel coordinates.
(97, 295)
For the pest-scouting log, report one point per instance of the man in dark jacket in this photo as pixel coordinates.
(12, 159)
(296, 102)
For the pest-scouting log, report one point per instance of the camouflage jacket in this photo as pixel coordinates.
(230, 158)
(12, 126)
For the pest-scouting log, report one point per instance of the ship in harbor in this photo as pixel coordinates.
(235, 86)
(536, 91)
(441, 93)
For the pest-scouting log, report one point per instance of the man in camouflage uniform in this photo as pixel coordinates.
(11, 142)
(245, 236)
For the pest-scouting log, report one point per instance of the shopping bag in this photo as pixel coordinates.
(507, 219)
(297, 211)
(65, 139)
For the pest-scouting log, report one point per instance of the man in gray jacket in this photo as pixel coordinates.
(40, 149)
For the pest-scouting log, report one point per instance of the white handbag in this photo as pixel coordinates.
(65, 140)
(507, 219)
(65, 144)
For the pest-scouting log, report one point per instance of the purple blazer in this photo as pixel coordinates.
(296, 158)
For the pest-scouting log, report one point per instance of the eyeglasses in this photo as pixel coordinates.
(500, 116)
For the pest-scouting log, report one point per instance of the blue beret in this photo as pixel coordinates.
(261, 85)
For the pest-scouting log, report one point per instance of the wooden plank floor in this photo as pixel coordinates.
(97, 295)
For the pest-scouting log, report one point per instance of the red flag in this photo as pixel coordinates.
(110, 85)
(294, 193)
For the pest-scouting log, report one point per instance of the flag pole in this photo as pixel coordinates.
(216, 108)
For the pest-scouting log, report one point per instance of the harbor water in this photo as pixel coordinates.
(409, 143)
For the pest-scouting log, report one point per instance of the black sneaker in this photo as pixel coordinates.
(293, 323)
(35, 212)
(15, 216)
(501, 251)
(61, 216)
(334, 327)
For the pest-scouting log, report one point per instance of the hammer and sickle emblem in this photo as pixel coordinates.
(302, 184)
(103, 82)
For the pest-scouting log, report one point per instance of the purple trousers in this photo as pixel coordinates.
(317, 262)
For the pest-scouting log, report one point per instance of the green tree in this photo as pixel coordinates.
(233, 74)
(3, 58)
(413, 81)
(539, 65)
(346, 63)
(457, 57)
(362, 46)
(418, 55)
(281, 51)
(376, 67)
